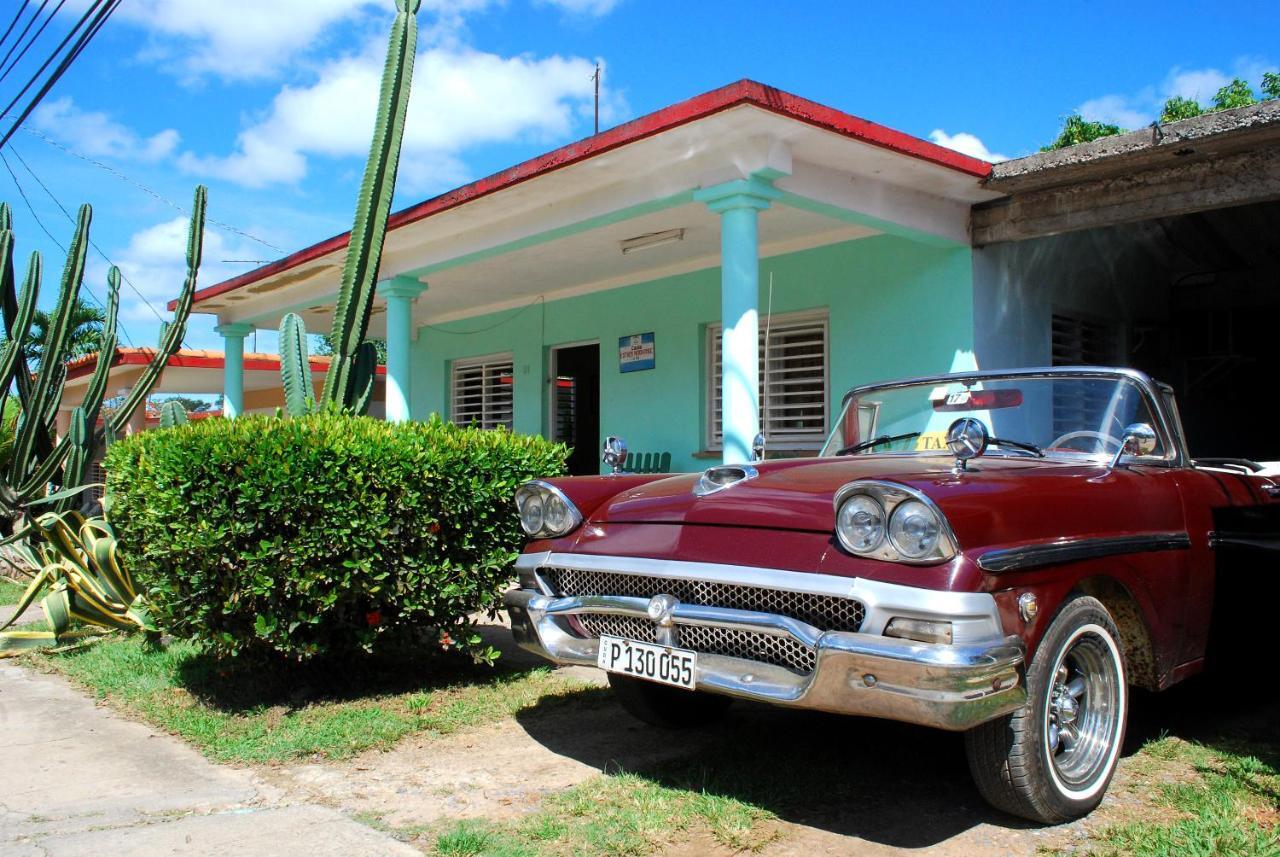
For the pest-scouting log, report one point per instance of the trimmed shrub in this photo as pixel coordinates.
(322, 533)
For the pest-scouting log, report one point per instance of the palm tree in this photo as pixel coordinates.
(86, 332)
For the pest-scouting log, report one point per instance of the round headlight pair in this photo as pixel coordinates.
(885, 522)
(545, 512)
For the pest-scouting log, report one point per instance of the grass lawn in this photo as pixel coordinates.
(622, 814)
(330, 711)
(10, 590)
(1211, 800)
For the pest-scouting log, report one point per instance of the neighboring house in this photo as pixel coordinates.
(736, 262)
(187, 372)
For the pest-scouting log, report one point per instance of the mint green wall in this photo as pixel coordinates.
(896, 308)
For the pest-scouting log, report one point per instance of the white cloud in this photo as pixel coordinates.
(235, 39)
(965, 143)
(155, 261)
(461, 97)
(1116, 110)
(1141, 108)
(594, 8)
(257, 39)
(98, 135)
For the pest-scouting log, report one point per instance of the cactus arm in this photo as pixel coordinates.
(24, 310)
(48, 387)
(96, 389)
(364, 250)
(171, 339)
(172, 413)
(366, 369)
(295, 367)
(79, 440)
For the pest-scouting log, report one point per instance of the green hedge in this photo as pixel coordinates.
(322, 533)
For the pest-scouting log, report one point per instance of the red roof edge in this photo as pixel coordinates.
(698, 107)
(192, 359)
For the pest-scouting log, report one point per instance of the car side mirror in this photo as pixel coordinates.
(1139, 439)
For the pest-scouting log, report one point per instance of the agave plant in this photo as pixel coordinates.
(69, 557)
(75, 563)
(349, 381)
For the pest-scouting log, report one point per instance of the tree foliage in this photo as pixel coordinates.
(1076, 129)
(1237, 93)
(1270, 85)
(1178, 107)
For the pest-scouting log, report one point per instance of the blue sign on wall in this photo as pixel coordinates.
(635, 352)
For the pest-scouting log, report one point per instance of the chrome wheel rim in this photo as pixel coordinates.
(1083, 711)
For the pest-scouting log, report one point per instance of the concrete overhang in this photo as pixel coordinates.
(1227, 158)
(553, 226)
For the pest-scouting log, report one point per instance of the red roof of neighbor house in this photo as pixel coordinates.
(191, 358)
(698, 107)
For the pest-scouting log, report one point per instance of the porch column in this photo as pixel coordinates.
(233, 334)
(738, 203)
(400, 293)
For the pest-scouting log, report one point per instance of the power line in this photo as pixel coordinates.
(17, 16)
(22, 193)
(226, 227)
(32, 41)
(25, 29)
(103, 12)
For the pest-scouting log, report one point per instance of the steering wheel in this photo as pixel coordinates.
(1102, 438)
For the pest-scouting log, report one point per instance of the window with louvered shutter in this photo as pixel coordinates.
(1080, 342)
(793, 382)
(482, 392)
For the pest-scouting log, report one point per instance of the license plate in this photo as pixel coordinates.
(662, 664)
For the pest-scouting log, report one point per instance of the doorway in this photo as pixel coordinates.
(575, 404)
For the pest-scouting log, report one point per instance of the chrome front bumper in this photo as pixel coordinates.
(950, 687)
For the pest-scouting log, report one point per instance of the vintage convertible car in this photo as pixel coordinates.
(1003, 553)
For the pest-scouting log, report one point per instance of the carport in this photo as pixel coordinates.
(1158, 249)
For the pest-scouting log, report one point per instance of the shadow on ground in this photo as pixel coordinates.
(233, 686)
(884, 782)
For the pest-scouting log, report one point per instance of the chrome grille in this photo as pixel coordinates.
(781, 651)
(825, 612)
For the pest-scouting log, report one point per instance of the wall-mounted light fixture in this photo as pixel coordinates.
(653, 239)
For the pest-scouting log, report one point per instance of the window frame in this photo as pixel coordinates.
(711, 380)
(482, 362)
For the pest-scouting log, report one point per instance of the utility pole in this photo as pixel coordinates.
(596, 78)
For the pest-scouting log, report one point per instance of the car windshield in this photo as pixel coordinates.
(1028, 415)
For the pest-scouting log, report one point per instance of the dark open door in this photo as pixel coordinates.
(575, 405)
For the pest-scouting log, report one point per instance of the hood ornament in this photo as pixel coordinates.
(967, 438)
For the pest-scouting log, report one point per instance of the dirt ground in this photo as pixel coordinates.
(838, 785)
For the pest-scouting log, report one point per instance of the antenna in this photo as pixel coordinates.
(596, 78)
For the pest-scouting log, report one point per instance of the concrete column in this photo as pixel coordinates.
(400, 293)
(739, 203)
(137, 420)
(233, 334)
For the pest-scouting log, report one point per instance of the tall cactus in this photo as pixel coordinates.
(173, 413)
(364, 251)
(295, 366)
(38, 461)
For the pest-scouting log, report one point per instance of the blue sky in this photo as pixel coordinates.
(269, 102)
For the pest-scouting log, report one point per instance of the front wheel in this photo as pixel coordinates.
(666, 706)
(1052, 760)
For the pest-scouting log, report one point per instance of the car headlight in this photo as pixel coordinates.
(545, 512)
(914, 529)
(860, 523)
(892, 522)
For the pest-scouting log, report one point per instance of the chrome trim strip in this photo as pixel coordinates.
(1075, 550)
(973, 615)
(682, 614)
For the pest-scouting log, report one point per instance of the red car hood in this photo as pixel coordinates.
(999, 499)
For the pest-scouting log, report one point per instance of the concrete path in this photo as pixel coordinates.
(79, 780)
